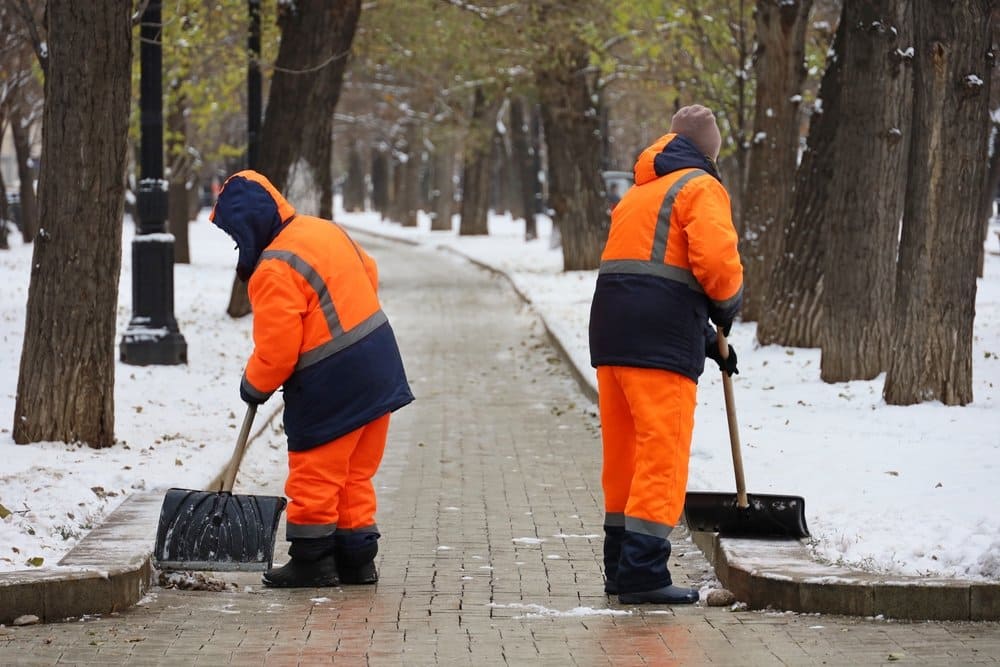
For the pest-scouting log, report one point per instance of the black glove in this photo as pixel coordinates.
(250, 399)
(727, 365)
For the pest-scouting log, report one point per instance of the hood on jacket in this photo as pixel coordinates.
(252, 212)
(668, 154)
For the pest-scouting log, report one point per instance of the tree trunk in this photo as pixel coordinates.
(574, 153)
(442, 184)
(380, 181)
(65, 388)
(523, 158)
(780, 65)
(860, 258)
(177, 195)
(20, 132)
(989, 194)
(316, 37)
(409, 195)
(936, 291)
(796, 284)
(476, 170)
(354, 184)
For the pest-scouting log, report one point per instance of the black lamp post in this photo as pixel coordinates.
(152, 336)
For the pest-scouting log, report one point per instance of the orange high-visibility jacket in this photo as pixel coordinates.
(670, 264)
(318, 327)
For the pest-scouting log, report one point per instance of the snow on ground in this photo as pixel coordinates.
(906, 490)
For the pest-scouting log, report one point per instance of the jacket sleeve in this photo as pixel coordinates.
(371, 268)
(279, 304)
(713, 248)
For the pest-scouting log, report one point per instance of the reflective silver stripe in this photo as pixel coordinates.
(730, 302)
(293, 530)
(252, 390)
(331, 347)
(659, 269)
(614, 519)
(360, 529)
(340, 339)
(315, 281)
(663, 219)
(645, 527)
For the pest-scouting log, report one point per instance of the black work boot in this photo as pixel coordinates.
(666, 595)
(358, 575)
(298, 573)
(357, 566)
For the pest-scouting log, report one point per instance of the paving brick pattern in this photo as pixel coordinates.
(491, 514)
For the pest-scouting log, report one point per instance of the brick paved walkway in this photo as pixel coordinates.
(491, 514)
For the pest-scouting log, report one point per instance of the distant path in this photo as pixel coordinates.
(499, 451)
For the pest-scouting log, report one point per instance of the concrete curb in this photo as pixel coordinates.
(782, 574)
(107, 571)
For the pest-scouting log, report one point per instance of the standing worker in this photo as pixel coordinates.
(670, 265)
(319, 330)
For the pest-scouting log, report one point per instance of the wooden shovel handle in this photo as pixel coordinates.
(734, 430)
(241, 446)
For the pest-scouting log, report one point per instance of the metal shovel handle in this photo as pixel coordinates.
(734, 430)
(241, 446)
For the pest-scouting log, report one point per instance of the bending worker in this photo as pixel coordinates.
(670, 265)
(320, 332)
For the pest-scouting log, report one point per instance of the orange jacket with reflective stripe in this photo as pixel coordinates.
(669, 265)
(318, 327)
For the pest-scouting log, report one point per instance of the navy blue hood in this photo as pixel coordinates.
(249, 214)
(681, 153)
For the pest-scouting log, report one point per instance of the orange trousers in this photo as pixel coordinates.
(647, 418)
(330, 486)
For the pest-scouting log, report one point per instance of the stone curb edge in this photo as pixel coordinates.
(109, 570)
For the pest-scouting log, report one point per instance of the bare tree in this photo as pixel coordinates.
(476, 167)
(936, 290)
(65, 387)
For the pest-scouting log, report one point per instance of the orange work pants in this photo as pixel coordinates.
(330, 486)
(647, 418)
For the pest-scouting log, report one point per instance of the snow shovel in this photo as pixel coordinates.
(744, 514)
(218, 530)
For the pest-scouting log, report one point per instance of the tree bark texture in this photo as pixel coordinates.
(65, 389)
(989, 193)
(476, 169)
(573, 146)
(408, 197)
(780, 67)
(936, 291)
(869, 179)
(180, 172)
(794, 314)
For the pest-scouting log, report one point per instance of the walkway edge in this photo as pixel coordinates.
(109, 570)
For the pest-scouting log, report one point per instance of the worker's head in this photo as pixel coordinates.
(697, 124)
(252, 212)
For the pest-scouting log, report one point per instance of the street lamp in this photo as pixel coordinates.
(152, 337)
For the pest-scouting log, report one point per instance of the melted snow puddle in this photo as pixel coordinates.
(538, 611)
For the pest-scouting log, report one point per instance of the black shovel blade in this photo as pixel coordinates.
(765, 516)
(220, 531)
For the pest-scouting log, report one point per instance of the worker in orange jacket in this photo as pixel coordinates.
(320, 332)
(669, 267)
